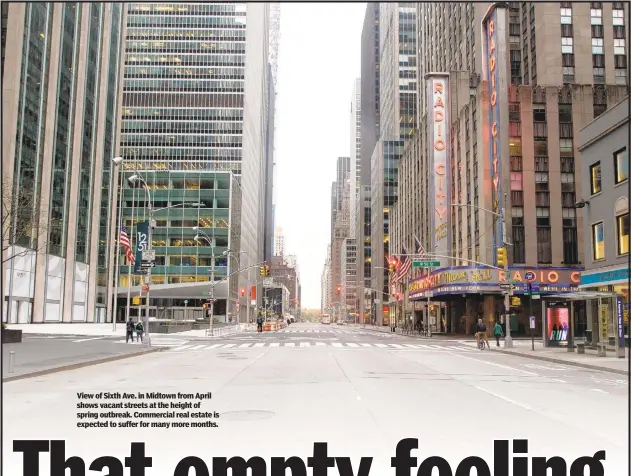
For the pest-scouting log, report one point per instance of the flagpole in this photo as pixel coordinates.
(120, 226)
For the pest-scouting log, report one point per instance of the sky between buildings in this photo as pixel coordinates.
(319, 58)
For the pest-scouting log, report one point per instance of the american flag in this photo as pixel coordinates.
(420, 251)
(404, 268)
(124, 240)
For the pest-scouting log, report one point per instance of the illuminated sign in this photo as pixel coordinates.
(438, 145)
(466, 279)
(494, 70)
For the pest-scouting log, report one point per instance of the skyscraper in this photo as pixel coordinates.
(355, 130)
(61, 67)
(196, 126)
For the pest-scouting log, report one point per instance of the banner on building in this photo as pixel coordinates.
(142, 243)
(439, 165)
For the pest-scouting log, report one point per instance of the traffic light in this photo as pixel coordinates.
(501, 257)
(242, 291)
(339, 290)
(393, 265)
(262, 271)
(515, 302)
(266, 270)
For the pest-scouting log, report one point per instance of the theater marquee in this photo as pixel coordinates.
(439, 166)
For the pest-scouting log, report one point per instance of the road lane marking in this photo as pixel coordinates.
(182, 347)
(274, 344)
(382, 345)
(366, 345)
(337, 344)
(305, 344)
(91, 338)
(290, 344)
(506, 399)
(397, 346)
(259, 344)
(599, 390)
(197, 347)
(214, 346)
(320, 343)
(496, 364)
(227, 346)
(245, 345)
(351, 344)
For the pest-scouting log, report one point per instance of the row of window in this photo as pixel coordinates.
(567, 46)
(621, 171)
(622, 237)
(596, 16)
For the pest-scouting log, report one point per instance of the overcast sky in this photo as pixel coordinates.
(319, 58)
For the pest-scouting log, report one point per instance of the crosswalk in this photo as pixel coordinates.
(351, 332)
(190, 346)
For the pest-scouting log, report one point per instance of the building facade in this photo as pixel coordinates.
(369, 117)
(604, 148)
(355, 159)
(349, 278)
(340, 234)
(538, 161)
(61, 65)
(185, 110)
(325, 283)
(279, 242)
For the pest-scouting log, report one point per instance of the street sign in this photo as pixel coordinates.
(532, 322)
(529, 276)
(148, 255)
(507, 286)
(535, 296)
(425, 264)
(206, 293)
(506, 292)
(145, 288)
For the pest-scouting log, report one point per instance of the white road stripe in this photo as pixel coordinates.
(245, 345)
(305, 344)
(85, 340)
(290, 344)
(337, 344)
(366, 345)
(351, 344)
(381, 345)
(397, 346)
(227, 346)
(182, 347)
(439, 347)
(274, 344)
(320, 343)
(213, 346)
(259, 344)
(422, 346)
(413, 346)
(197, 347)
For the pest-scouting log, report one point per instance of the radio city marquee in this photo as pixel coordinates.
(438, 102)
(475, 280)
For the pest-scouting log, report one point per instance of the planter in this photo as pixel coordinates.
(11, 336)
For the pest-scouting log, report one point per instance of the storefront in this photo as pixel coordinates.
(461, 295)
(608, 280)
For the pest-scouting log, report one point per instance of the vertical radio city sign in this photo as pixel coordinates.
(438, 163)
(494, 68)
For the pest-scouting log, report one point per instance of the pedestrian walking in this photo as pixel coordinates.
(140, 330)
(130, 330)
(498, 332)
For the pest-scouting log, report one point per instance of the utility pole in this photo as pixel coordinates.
(508, 341)
(532, 331)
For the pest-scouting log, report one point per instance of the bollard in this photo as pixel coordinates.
(11, 361)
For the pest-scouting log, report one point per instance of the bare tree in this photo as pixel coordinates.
(21, 223)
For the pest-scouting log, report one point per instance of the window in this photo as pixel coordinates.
(568, 74)
(597, 16)
(598, 241)
(567, 45)
(597, 46)
(622, 228)
(514, 146)
(566, 16)
(621, 165)
(618, 17)
(566, 147)
(541, 147)
(516, 182)
(594, 178)
(618, 47)
(599, 78)
(621, 76)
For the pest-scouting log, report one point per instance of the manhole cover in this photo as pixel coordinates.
(247, 415)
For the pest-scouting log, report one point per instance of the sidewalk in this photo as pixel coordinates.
(73, 328)
(589, 360)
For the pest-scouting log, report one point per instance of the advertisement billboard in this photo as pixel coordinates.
(142, 243)
(438, 163)
(558, 322)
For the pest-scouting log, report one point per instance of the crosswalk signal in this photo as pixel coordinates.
(242, 291)
(501, 257)
(339, 290)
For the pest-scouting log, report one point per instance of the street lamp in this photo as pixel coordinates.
(132, 180)
(231, 254)
(508, 340)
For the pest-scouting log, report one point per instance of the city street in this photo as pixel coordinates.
(361, 396)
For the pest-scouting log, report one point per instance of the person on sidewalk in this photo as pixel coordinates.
(140, 330)
(130, 331)
(480, 331)
(498, 332)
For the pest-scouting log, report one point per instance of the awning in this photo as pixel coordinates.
(199, 290)
(579, 296)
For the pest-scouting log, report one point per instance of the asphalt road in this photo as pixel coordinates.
(277, 400)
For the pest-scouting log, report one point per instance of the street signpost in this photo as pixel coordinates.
(425, 264)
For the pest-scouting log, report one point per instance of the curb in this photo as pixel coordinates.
(79, 365)
(564, 362)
